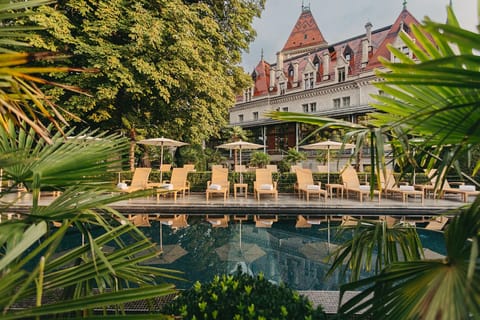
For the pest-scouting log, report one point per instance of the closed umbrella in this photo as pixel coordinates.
(162, 142)
(328, 145)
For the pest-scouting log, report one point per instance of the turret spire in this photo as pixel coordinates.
(305, 8)
(404, 4)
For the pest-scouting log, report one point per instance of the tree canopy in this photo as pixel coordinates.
(170, 66)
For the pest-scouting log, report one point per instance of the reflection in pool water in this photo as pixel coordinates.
(277, 248)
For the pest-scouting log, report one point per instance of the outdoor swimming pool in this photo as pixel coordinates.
(281, 251)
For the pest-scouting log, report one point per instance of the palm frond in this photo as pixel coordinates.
(373, 246)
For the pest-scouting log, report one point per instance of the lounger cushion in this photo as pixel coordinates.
(467, 187)
(313, 187)
(122, 186)
(266, 187)
(407, 188)
(215, 187)
(167, 186)
(365, 188)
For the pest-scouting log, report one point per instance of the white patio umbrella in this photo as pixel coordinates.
(328, 145)
(241, 145)
(162, 142)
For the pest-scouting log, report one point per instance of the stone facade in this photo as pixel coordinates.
(314, 77)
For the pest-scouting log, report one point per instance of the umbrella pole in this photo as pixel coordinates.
(161, 163)
(241, 171)
(328, 165)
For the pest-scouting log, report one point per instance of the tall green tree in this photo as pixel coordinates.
(37, 156)
(174, 61)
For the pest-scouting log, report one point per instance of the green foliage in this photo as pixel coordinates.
(428, 289)
(259, 159)
(34, 263)
(291, 158)
(241, 296)
(21, 98)
(214, 156)
(192, 154)
(235, 133)
(170, 64)
(375, 245)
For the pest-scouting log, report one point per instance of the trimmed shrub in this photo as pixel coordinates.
(241, 296)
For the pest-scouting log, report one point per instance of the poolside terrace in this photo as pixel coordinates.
(288, 204)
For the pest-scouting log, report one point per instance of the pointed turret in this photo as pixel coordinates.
(305, 35)
(261, 78)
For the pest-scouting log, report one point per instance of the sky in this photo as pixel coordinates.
(342, 19)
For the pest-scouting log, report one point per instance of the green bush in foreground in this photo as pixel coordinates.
(241, 296)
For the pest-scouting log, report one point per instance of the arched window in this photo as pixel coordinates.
(348, 53)
(316, 63)
(290, 71)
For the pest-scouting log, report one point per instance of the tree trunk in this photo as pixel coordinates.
(131, 156)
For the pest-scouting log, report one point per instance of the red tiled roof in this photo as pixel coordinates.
(405, 18)
(305, 33)
(380, 39)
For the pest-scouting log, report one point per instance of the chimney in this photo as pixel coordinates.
(272, 78)
(365, 47)
(295, 73)
(368, 29)
(279, 63)
(326, 65)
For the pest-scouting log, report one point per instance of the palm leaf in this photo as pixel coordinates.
(429, 289)
(373, 246)
(103, 300)
(80, 168)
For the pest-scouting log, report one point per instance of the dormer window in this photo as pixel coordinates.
(282, 88)
(348, 57)
(248, 94)
(254, 76)
(405, 50)
(341, 74)
(309, 80)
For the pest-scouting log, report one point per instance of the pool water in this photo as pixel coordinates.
(283, 253)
